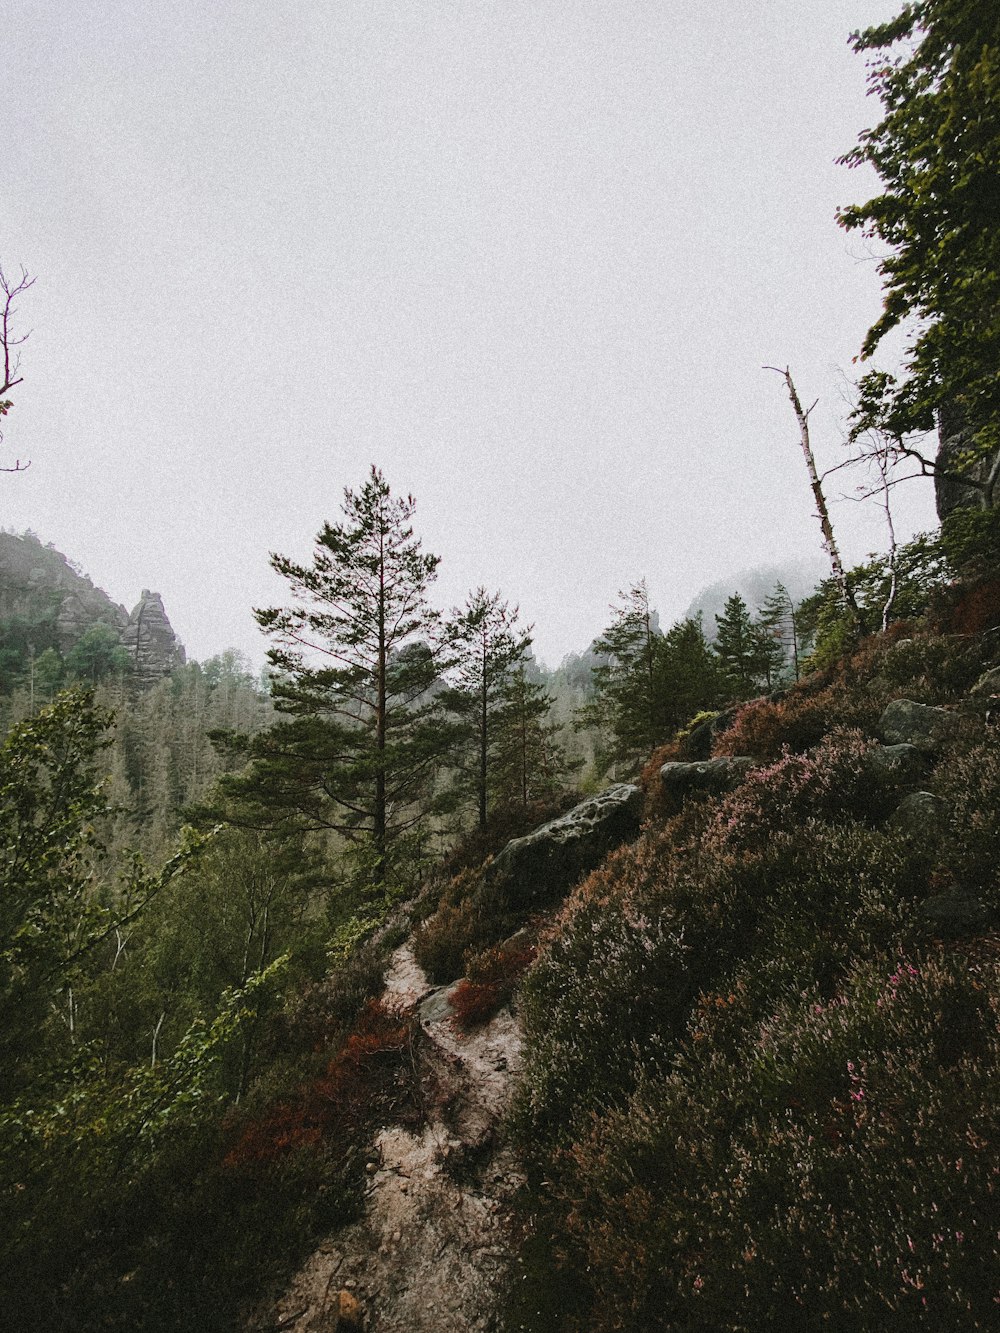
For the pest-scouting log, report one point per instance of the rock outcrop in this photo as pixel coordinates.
(709, 777)
(896, 766)
(919, 814)
(952, 913)
(150, 640)
(57, 603)
(950, 491)
(547, 863)
(40, 586)
(907, 723)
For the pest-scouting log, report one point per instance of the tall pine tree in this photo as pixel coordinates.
(486, 645)
(530, 763)
(628, 701)
(354, 664)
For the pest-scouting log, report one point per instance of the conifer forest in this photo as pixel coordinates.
(409, 983)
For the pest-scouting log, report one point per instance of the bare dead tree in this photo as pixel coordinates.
(822, 512)
(10, 290)
(883, 463)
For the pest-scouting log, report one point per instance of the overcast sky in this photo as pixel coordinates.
(528, 256)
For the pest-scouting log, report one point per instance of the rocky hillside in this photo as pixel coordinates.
(744, 1074)
(46, 602)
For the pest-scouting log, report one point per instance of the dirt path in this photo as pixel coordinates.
(431, 1252)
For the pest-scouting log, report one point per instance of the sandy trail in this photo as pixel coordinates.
(431, 1253)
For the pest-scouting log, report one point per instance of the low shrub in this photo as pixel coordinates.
(472, 915)
(492, 978)
(836, 1170)
(754, 1094)
(442, 941)
(334, 1102)
(763, 728)
(969, 783)
(928, 668)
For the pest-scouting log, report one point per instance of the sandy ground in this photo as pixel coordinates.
(431, 1253)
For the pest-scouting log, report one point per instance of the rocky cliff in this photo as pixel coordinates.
(150, 640)
(53, 604)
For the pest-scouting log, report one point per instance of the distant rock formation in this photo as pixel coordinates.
(56, 604)
(38, 583)
(150, 640)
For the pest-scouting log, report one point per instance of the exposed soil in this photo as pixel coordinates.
(432, 1251)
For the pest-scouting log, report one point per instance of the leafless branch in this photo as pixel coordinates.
(10, 290)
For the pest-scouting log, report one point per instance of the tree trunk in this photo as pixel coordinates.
(829, 541)
(379, 812)
(483, 738)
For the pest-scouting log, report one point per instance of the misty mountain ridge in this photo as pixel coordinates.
(755, 585)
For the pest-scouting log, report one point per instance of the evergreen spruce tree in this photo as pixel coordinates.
(485, 645)
(738, 647)
(628, 701)
(530, 763)
(778, 619)
(362, 734)
(689, 674)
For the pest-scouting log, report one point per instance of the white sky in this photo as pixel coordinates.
(529, 256)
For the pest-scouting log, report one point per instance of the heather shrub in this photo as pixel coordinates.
(612, 980)
(753, 1095)
(832, 1170)
(471, 916)
(491, 980)
(969, 783)
(831, 781)
(440, 943)
(928, 668)
(763, 728)
(766, 887)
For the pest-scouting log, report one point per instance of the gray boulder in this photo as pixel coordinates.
(987, 685)
(709, 777)
(896, 765)
(545, 864)
(919, 814)
(908, 723)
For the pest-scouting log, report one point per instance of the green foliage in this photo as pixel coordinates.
(886, 590)
(936, 152)
(354, 668)
(97, 655)
(487, 648)
(969, 534)
(646, 683)
(50, 917)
